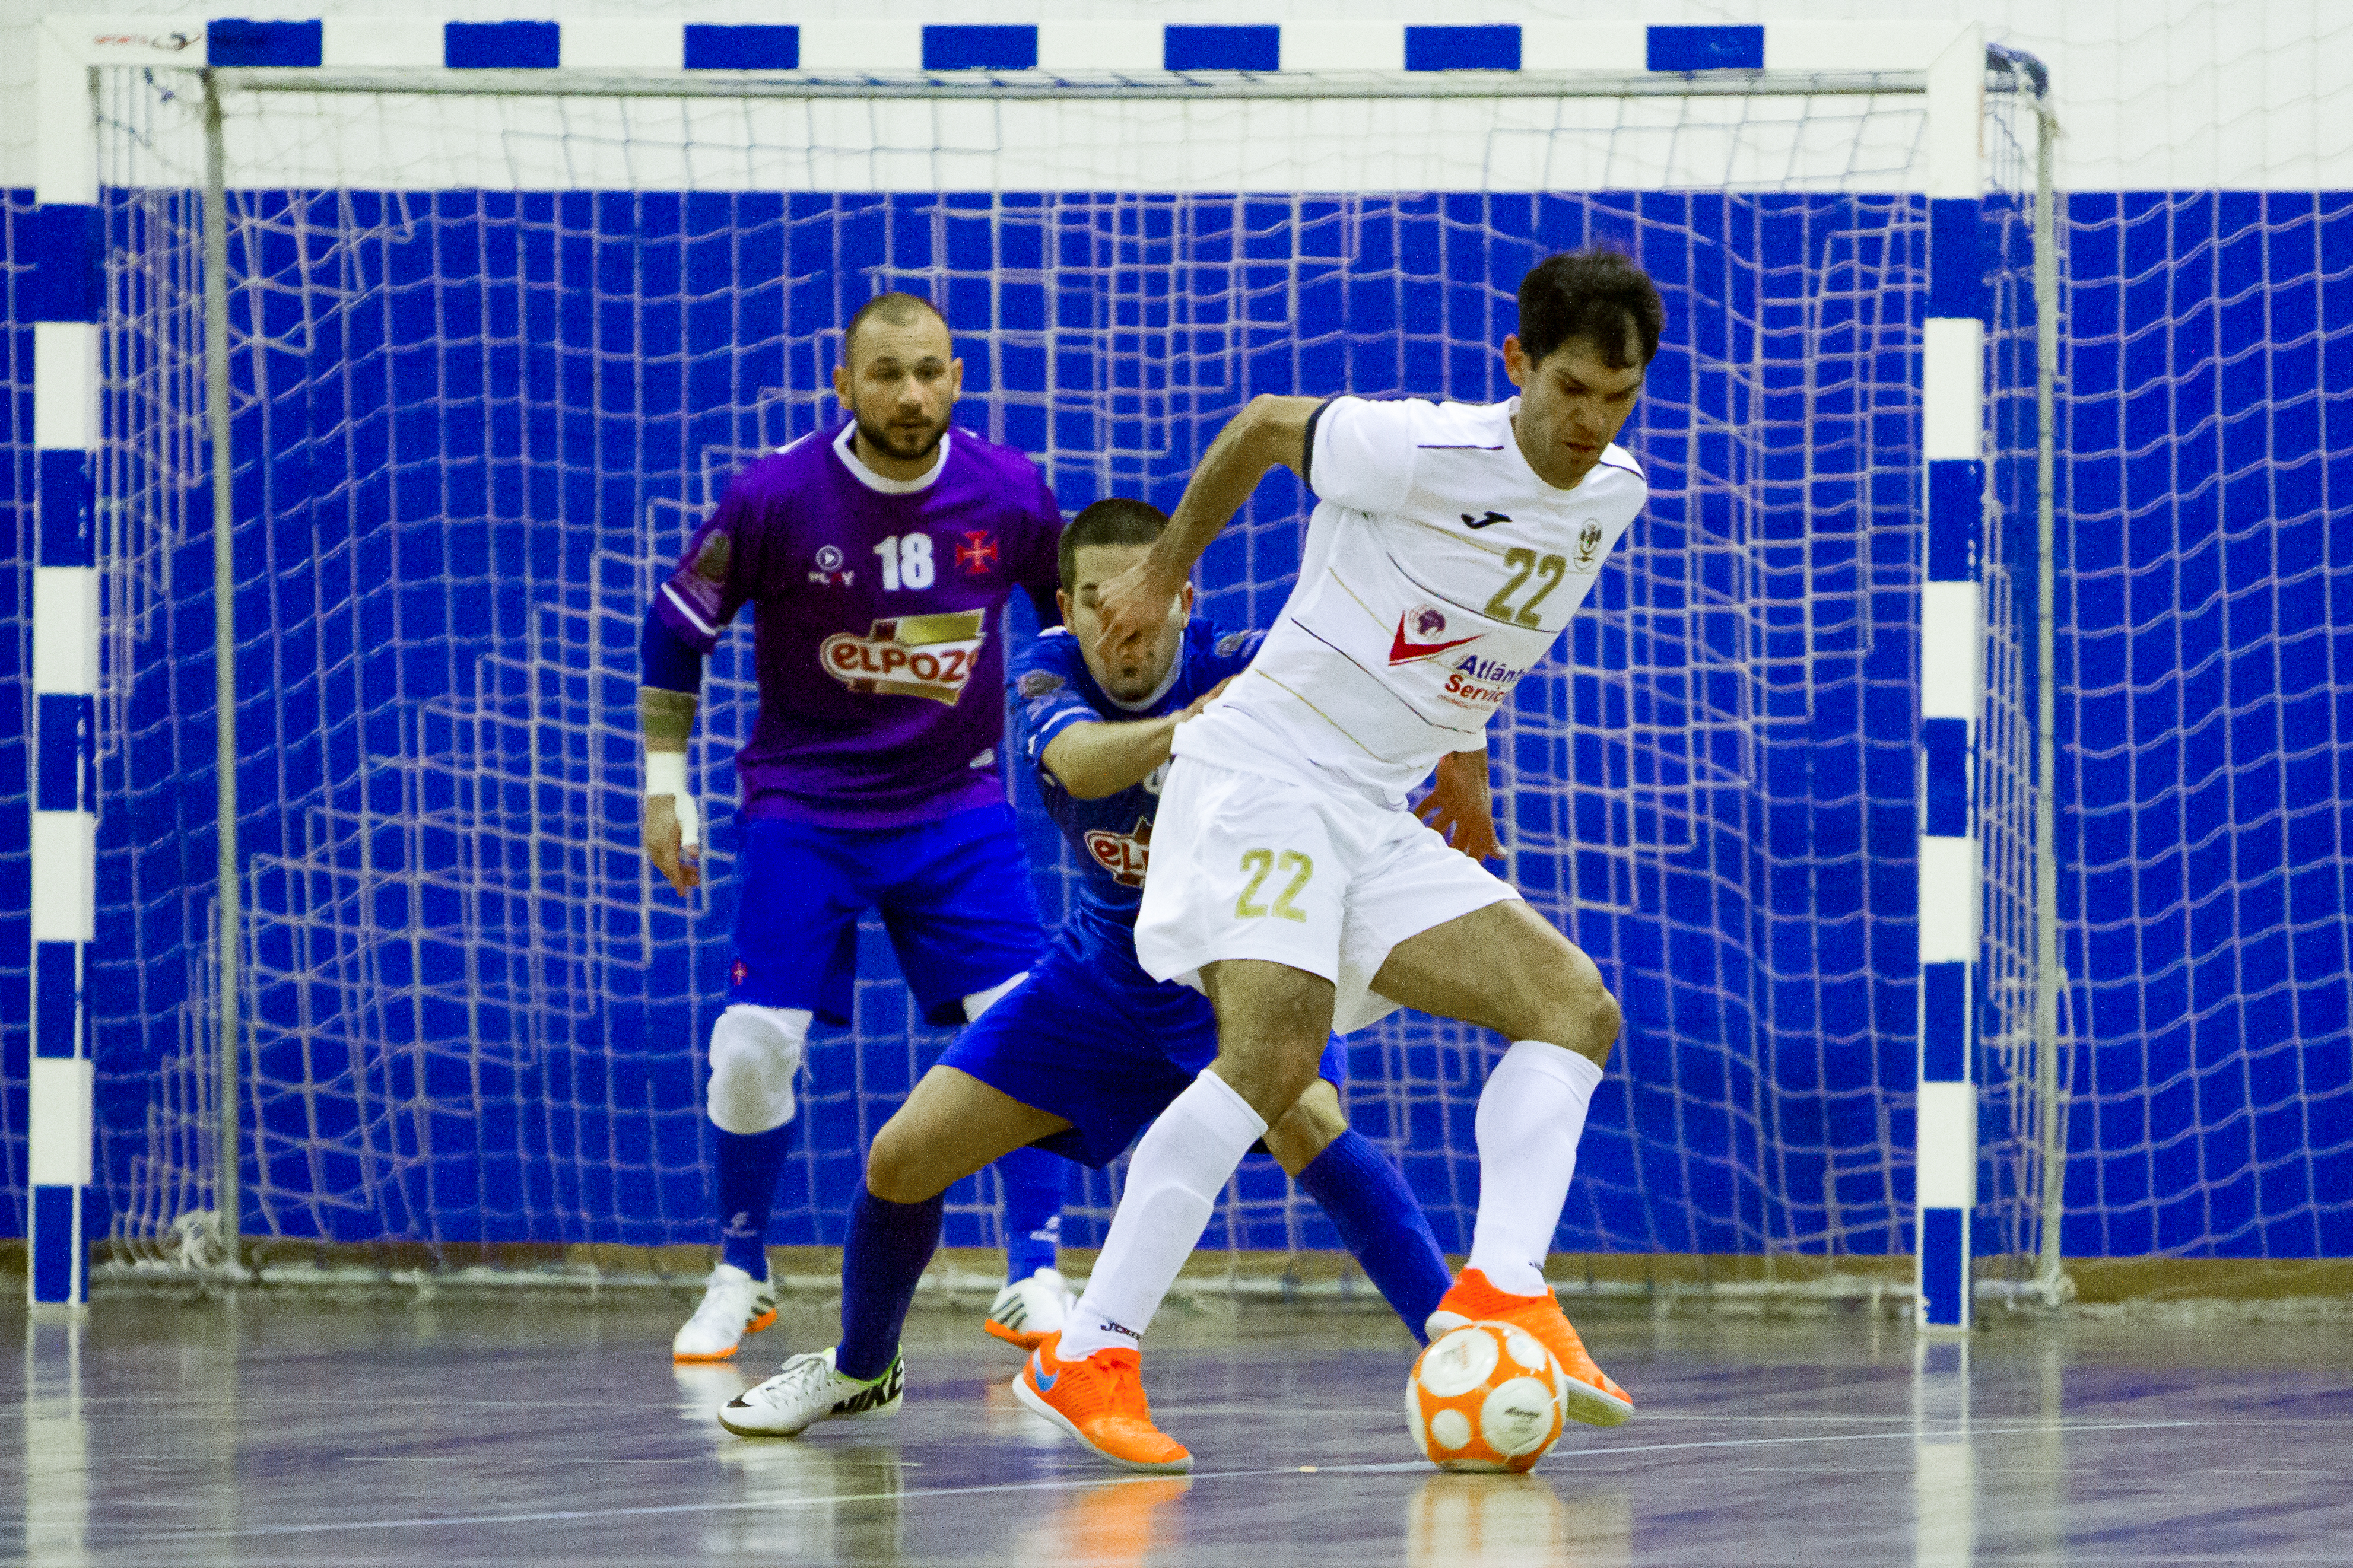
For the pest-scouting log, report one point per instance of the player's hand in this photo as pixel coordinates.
(1458, 807)
(675, 852)
(1130, 608)
(1205, 698)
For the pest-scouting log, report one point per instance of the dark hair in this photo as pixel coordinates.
(1114, 520)
(898, 308)
(1596, 294)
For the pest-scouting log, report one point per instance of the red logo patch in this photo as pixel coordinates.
(1127, 856)
(739, 973)
(977, 554)
(1422, 621)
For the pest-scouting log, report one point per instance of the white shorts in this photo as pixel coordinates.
(1244, 865)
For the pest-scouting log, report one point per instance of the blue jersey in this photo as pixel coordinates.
(1112, 835)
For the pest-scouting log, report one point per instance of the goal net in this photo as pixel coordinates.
(493, 353)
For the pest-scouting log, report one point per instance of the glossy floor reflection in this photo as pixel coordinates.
(269, 1429)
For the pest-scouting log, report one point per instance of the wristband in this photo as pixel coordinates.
(666, 774)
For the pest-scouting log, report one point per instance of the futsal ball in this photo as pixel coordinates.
(1488, 1396)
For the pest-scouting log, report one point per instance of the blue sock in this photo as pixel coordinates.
(1379, 1218)
(881, 1259)
(748, 1163)
(1034, 1183)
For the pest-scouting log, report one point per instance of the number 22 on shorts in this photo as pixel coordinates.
(1262, 863)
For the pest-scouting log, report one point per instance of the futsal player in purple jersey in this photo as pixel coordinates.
(875, 556)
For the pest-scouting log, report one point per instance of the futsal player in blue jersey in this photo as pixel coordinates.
(876, 556)
(1082, 1055)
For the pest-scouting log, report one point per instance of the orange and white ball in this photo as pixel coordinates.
(1489, 1396)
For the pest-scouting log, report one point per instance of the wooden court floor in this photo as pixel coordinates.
(477, 1428)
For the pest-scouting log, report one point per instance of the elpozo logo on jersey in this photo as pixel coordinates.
(1127, 856)
(909, 656)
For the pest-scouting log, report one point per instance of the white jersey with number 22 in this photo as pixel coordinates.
(1439, 570)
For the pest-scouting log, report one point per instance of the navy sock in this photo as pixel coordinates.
(881, 1259)
(1382, 1223)
(1034, 1184)
(748, 1163)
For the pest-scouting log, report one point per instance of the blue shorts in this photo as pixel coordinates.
(955, 896)
(1093, 1038)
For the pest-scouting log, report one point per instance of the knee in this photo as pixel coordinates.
(894, 1170)
(1579, 1012)
(1603, 1020)
(756, 1054)
(1307, 1128)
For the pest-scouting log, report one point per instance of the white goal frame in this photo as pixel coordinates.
(1945, 63)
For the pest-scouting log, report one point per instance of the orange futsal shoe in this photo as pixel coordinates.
(1100, 1401)
(1592, 1397)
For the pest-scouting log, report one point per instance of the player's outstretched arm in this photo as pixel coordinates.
(1267, 432)
(1097, 759)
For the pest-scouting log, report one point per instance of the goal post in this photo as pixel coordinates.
(434, 341)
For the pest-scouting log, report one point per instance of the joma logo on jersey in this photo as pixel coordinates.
(1127, 856)
(908, 656)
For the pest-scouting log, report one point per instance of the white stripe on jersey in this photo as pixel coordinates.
(678, 603)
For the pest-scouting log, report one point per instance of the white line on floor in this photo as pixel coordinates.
(1075, 1482)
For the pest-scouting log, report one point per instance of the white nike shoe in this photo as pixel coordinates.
(734, 1304)
(807, 1389)
(1028, 1311)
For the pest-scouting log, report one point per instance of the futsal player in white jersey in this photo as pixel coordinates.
(1449, 546)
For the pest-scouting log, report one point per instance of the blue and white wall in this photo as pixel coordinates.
(2182, 95)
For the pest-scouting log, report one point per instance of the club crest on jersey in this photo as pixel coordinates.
(1421, 634)
(711, 561)
(1127, 856)
(977, 554)
(1589, 541)
(908, 656)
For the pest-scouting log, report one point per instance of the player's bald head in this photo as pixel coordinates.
(892, 309)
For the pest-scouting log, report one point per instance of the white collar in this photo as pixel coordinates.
(845, 448)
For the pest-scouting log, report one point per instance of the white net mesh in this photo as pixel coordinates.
(2202, 724)
(492, 357)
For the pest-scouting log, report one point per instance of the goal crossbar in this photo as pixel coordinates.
(965, 86)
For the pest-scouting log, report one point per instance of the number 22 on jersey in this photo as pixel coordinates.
(1522, 563)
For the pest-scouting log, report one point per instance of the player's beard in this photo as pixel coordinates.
(1129, 685)
(906, 443)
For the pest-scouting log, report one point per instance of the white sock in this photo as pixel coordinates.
(1182, 1163)
(1530, 1114)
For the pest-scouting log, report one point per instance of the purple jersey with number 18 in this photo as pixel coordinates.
(880, 677)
